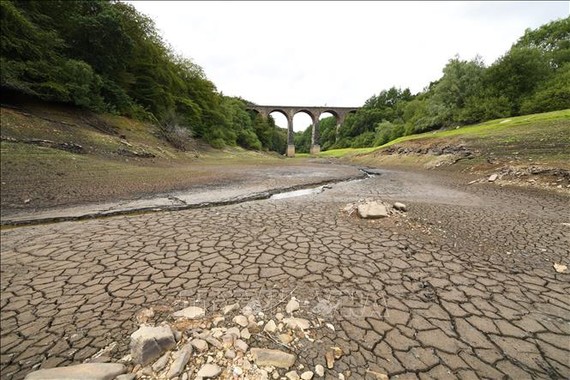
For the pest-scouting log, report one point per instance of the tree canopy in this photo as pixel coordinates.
(533, 76)
(105, 56)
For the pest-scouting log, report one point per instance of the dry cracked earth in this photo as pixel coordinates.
(461, 286)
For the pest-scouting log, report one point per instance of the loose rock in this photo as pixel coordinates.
(493, 178)
(87, 371)
(293, 323)
(192, 312)
(372, 210)
(371, 375)
(292, 375)
(320, 370)
(230, 308)
(230, 354)
(560, 268)
(240, 345)
(241, 320)
(180, 361)
(209, 371)
(329, 357)
(161, 362)
(201, 345)
(307, 375)
(126, 376)
(270, 326)
(400, 206)
(245, 334)
(148, 343)
(285, 338)
(275, 358)
(214, 342)
(292, 306)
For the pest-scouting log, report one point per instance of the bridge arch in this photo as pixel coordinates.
(314, 113)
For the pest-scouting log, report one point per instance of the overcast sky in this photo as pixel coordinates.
(334, 52)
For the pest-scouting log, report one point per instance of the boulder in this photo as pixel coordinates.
(372, 210)
(149, 343)
(209, 371)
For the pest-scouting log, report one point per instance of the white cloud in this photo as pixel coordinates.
(338, 53)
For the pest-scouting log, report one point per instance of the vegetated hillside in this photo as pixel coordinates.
(532, 149)
(105, 56)
(532, 77)
(54, 155)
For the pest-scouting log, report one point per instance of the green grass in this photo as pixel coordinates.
(520, 129)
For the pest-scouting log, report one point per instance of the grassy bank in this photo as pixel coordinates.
(541, 139)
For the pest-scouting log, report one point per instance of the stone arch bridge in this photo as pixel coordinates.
(314, 113)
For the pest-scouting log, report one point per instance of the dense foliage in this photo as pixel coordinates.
(107, 57)
(533, 76)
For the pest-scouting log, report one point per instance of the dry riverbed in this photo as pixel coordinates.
(467, 282)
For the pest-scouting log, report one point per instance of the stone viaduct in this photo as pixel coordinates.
(314, 113)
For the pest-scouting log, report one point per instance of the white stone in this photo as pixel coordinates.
(293, 323)
(192, 312)
(270, 326)
(292, 306)
(307, 375)
(230, 354)
(228, 340)
(372, 210)
(493, 178)
(241, 320)
(285, 338)
(320, 370)
(209, 371)
(279, 316)
(400, 206)
(233, 331)
(240, 345)
(292, 375)
(200, 344)
(245, 334)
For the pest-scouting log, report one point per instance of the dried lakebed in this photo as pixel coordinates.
(462, 285)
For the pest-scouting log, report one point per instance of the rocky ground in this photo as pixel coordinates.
(468, 280)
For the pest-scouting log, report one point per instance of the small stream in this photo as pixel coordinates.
(320, 189)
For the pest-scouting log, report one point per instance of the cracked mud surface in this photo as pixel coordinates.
(461, 286)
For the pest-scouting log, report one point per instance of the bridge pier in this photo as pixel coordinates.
(290, 137)
(291, 150)
(289, 112)
(315, 147)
